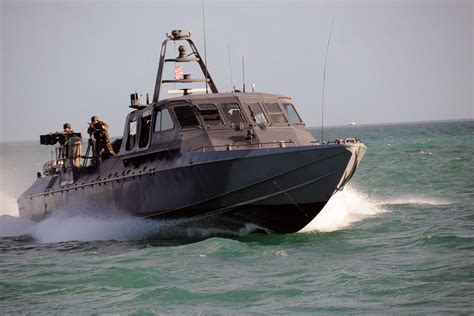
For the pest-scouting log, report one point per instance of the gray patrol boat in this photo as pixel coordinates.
(228, 161)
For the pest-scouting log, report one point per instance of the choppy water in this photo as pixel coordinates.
(399, 239)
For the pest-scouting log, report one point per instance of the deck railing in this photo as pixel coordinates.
(279, 144)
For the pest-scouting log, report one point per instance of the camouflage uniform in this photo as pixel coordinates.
(100, 131)
(64, 137)
(65, 134)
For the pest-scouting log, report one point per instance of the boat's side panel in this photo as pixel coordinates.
(285, 218)
(239, 180)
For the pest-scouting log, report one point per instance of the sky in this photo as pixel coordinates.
(388, 61)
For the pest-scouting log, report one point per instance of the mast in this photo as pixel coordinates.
(183, 57)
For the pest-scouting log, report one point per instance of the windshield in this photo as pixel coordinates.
(276, 115)
(292, 114)
(257, 113)
(163, 121)
(232, 113)
(186, 116)
(210, 114)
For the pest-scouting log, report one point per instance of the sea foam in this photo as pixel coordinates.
(57, 229)
(417, 199)
(8, 205)
(87, 228)
(344, 208)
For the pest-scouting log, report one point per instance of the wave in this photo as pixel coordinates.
(8, 205)
(59, 228)
(343, 209)
(350, 206)
(14, 226)
(417, 200)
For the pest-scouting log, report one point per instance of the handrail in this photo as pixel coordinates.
(348, 140)
(280, 144)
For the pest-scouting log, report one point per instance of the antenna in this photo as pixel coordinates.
(230, 70)
(324, 81)
(205, 50)
(243, 74)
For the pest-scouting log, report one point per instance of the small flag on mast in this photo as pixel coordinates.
(178, 72)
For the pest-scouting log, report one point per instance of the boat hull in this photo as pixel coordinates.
(277, 190)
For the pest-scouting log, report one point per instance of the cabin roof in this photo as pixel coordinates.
(213, 96)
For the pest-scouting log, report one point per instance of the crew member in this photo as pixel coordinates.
(71, 147)
(67, 130)
(63, 138)
(65, 134)
(99, 130)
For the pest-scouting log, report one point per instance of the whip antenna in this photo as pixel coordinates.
(205, 50)
(243, 74)
(324, 81)
(230, 70)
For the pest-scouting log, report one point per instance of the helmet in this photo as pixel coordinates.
(66, 125)
(94, 118)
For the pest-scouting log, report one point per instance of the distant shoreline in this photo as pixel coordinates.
(318, 127)
(396, 123)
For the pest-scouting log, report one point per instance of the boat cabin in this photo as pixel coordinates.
(212, 122)
(207, 122)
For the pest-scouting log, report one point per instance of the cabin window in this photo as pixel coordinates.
(210, 114)
(163, 121)
(276, 115)
(232, 113)
(292, 114)
(132, 133)
(186, 116)
(144, 131)
(257, 113)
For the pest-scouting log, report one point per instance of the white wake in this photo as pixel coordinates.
(8, 205)
(417, 200)
(56, 229)
(344, 208)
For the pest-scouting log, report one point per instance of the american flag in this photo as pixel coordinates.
(178, 72)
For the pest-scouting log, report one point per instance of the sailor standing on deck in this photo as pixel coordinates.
(103, 146)
(64, 138)
(66, 134)
(67, 130)
(71, 147)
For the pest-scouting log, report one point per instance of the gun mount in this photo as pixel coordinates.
(56, 137)
(67, 156)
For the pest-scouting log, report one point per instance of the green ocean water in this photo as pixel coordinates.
(399, 239)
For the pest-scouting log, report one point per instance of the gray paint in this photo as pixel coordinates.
(262, 183)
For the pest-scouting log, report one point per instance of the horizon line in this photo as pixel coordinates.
(327, 126)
